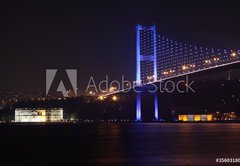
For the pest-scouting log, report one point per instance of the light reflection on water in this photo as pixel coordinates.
(122, 144)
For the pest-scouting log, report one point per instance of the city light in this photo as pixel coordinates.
(91, 93)
(112, 89)
(207, 61)
(101, 98)
(233, 54)
(192, 65)
(168, 72)
(184, 67)
(114, 98)
(150, 78)
(165, 72)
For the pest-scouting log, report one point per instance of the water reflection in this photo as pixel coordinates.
(120, 144)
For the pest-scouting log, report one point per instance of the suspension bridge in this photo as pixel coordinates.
(159, 58)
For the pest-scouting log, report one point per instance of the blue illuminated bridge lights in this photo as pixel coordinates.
(159, 58)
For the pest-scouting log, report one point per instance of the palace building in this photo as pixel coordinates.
(38, 115)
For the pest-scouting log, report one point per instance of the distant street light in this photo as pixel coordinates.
(233, 54)
(114, 98)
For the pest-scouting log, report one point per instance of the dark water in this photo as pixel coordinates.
(119, 144)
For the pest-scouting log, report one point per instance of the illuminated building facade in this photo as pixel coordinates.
(38, 115)
(195, 118)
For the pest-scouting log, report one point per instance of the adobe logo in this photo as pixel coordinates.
(71, 75)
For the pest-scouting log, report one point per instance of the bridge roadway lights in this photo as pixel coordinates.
(140, 91)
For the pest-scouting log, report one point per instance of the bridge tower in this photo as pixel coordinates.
(146, 64)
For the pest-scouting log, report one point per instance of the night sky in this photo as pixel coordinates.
(98, 38)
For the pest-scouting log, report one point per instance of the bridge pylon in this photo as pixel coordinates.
(141, 90)
(146, 58)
